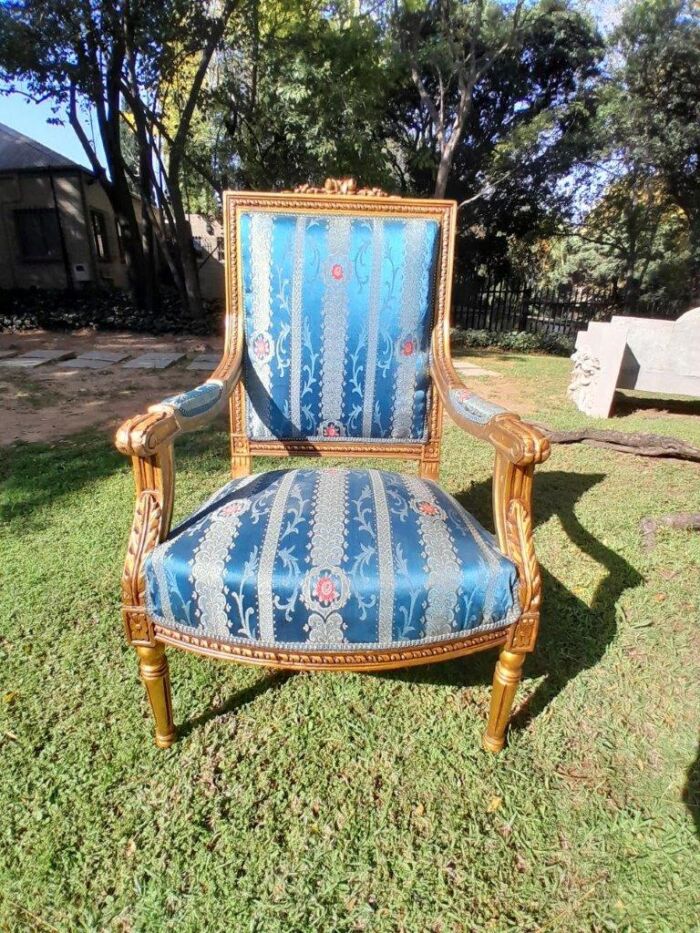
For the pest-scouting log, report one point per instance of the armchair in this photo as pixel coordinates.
(337, 344)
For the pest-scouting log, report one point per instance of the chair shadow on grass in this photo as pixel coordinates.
(691, 791)
(573, 634)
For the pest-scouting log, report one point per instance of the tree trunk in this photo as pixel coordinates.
(443, 176)
(183, 236)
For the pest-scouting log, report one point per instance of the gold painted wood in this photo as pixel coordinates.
(505, 683)
(379, 660)
(153, 666)
(338, 197)
(148, 440)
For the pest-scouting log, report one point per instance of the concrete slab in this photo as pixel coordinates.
(154, 361)
(80, 362)
(6, 354)
(469, 370)
(50, 356)
(205, 361)
(105, 356)
(22, 362)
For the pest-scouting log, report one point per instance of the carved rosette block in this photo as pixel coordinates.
(341, 186)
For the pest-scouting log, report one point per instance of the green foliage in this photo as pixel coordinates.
(355, 802)
(643, 230)
(302, 97)
(514, 341)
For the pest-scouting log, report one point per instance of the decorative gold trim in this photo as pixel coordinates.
(333, 200)
(379, 660)
(341, 186)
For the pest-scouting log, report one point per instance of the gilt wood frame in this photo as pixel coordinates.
(148, 439)
(443, 212)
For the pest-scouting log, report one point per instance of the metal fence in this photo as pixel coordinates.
(487, 304)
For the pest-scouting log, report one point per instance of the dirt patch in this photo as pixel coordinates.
(51, 402)
(502, 389)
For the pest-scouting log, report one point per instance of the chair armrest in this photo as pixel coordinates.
(143, 435)
(519, 442)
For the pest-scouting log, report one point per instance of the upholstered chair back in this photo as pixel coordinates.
(338, 299)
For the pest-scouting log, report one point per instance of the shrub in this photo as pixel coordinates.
(521, 342)
(29, 309)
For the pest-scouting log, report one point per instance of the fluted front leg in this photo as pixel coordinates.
(509, 669)
(153, 666)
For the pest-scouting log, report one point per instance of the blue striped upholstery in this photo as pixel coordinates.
(330, 559)
(337, 312)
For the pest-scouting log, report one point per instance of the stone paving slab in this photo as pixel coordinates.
(6, 354)
(205, 361)
(154, 361)
(105, 356)
(21, 362)
(470, 370)
(81, 362)
(49, 356)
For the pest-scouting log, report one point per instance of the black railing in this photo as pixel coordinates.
(487, 304)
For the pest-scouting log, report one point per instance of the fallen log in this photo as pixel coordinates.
(643, 445)
(649, 526)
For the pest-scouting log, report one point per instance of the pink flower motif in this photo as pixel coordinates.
(427, 508)
(337, 272)
(331, 430)
(408, 347)
(325, 591)
(234, 508)
(261, 347)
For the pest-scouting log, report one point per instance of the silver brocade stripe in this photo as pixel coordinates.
(414, 296)
(385, 558)
(296, 324)
(441, 563)
(328, 527)
(266, 595)
(375, 304)
(261, 269)
(492, 563)
(162, 551)
(209, 567)
(335, 314)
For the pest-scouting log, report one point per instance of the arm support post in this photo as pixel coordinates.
(148, 439)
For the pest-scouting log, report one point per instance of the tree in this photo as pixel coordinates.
(634, 238)
(449, 46)
(301, 95)
(127, 61)
(528, 123)
(652, 111)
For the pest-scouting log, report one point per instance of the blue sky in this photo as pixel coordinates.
(30, 118)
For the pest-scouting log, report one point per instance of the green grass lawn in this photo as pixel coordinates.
(356, 802)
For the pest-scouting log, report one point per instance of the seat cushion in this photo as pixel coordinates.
(330, 559)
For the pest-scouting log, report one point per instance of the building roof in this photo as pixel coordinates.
(20, 153)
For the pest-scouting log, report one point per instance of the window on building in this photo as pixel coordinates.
(120, 239)
(99, 233)
(38, 234)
